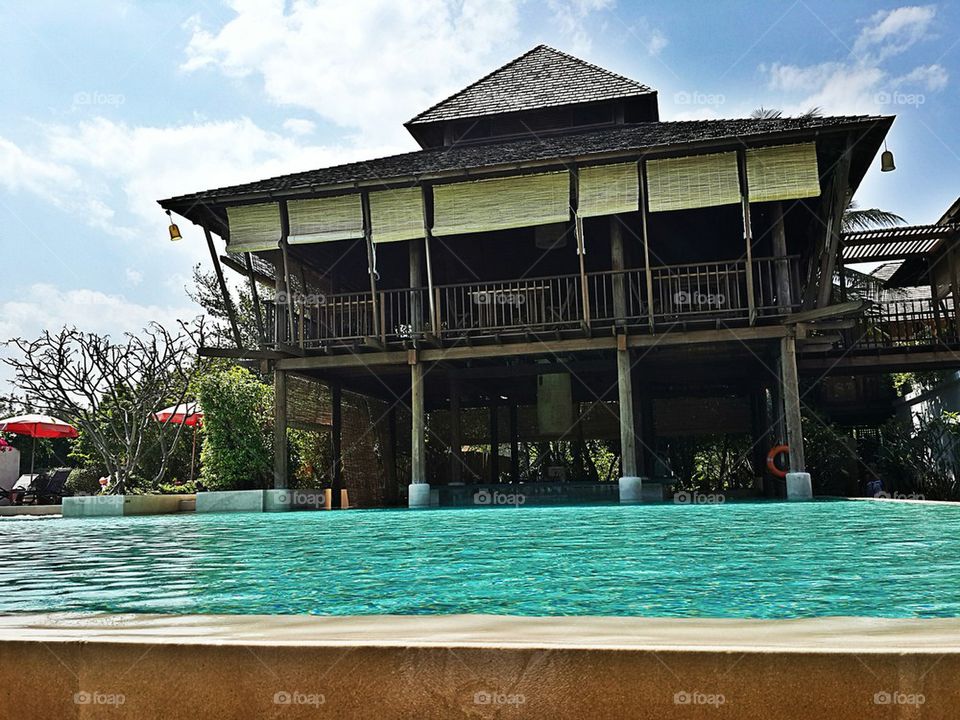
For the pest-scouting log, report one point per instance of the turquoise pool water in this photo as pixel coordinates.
(764, 560)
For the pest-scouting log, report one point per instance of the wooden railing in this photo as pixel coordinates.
(905, 324)
(704, 292)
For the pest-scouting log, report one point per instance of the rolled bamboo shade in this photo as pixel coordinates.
(783, 172)
(325, 219)
(608, 189)
(396, 215)
(693, 182)
(254, 227)
(501, 203)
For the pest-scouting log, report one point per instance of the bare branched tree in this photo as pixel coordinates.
(111, 390)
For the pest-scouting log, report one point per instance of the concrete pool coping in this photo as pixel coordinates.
(73, 665)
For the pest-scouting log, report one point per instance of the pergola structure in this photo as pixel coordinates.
(553, 245)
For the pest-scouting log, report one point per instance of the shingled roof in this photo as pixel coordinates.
(461, 160)
(542, 77)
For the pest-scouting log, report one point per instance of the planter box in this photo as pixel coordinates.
(117, 505)
(224, 501)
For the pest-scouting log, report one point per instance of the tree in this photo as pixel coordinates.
(206, 293)
(110, 390)
(238, 430)
(855, 218)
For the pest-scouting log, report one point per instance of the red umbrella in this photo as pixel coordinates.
(188, 414)
(38, 426)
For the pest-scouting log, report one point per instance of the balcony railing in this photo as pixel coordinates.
(688, 294)
(905, 324)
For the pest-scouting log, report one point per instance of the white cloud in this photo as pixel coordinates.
(368, 65)
(658, 41)
(928, 77)
(570, 16)
(891, 32)
(299, 126)
(134, 277)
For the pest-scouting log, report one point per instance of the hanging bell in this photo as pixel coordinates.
(174, 230)
(886, 162)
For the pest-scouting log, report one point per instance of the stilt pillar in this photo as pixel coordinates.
(419, 490)
(280, 460)
(630, 482)
(799, 486)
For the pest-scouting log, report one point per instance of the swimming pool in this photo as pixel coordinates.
(742, 560)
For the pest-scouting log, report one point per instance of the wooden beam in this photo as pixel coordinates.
(371, 262)
(839, 188)
(791, 402)
(280, 469)
(784, 295)
(853, 307)
(416, 256)
(418, 449)
(617, 264)
(426, 196)
(747, 234)
(879, 363)
(288, 287)
(227, 301)
(648, 271)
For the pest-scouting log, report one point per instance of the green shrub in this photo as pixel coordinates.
(84, 481)
(238, 430)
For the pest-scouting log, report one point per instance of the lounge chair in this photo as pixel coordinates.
(48, 489)
(13, 495)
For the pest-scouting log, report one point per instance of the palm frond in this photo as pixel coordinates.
(762, 113)
(855, 218)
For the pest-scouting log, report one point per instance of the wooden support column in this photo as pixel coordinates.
(791, 402)
(747, 235)
(255, 298)
(514, 443)
(494, 441)
(284, 252)
(955, 289)
(838, 204)
(371, 265)
(280, 459)
(416, 252)
(935, 300)
(782, 268)
(456, 442)
(426, 195)
(618, 265)
(418, 448)
(336, 471)
(628, 441)
(227, 301)
(648, 271)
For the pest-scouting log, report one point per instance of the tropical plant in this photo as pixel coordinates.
(856, 218)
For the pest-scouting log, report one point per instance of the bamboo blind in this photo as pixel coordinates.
(501, 203)
(325, 219)
(254, 227)
(396, 214)
(608, 189)
(693, 182)
(783, 172)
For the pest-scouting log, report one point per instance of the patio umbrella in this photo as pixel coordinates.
(188, 414)
(37, 426)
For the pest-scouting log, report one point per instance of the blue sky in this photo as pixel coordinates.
(111, 105)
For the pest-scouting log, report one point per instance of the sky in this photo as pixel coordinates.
(112, 105)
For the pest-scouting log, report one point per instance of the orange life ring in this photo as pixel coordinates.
(772, 460)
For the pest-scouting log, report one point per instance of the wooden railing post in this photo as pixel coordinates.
(648, 271)
(747, 233)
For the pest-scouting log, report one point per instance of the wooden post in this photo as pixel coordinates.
(617, 264)
(280, 469)
(648, 271)
(747, 234)
(584, 289)
(456, 443)
(288, 287)
(935, 299)
(336, 474)
(418, 448)
(227, 301)
(255, 297)
(791, 402)
(494, 441)
(371, 266)
(416, 251)
(838, 203)
(628, 440)
(514, 443)
(426, 193)
(955, 290)
(782, 267)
